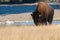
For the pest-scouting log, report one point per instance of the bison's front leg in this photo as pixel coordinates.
(35, 22)
(45, 21)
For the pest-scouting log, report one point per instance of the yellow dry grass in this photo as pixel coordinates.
(50, 32)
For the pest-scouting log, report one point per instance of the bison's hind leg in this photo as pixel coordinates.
(50, 19)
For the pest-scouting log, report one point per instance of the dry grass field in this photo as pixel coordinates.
(49, 32)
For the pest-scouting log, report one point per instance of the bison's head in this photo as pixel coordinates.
(37, 17)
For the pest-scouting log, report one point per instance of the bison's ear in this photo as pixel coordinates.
(34, 12)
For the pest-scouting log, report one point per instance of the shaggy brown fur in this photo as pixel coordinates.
(43, 14)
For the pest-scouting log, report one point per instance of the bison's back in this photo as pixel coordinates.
(42, 6)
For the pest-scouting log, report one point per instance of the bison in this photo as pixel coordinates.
(43, 14)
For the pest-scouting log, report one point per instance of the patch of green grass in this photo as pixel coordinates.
(7, 0)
